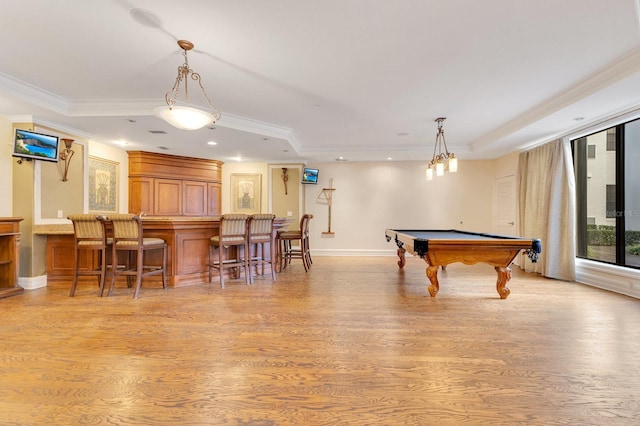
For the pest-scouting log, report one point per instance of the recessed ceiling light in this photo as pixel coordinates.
(122, 142)
(212, 143)
(579, 118)
(403, 133)
(389, 158)
(341, 158)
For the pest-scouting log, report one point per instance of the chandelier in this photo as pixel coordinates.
(441, 155)
(184, 116)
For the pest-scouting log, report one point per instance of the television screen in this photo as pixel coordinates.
(35, 145)
(309, 175)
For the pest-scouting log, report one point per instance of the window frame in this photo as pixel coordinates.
(579, 147)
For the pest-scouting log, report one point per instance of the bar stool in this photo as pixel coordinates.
(89, 235)
(301, 251)
(261, 233)
(233, 232)
(128, 239)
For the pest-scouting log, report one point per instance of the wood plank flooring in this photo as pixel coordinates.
(354, 341)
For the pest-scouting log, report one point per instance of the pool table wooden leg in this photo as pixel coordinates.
(504, 275)
(432, 274)
(402, 260)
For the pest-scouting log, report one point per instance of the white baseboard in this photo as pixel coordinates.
(608, 277)
(32, 283)
(352, 252)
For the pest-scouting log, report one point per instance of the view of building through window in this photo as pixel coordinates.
(607, 166)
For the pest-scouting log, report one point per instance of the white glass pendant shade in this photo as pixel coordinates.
(429, 173)
(186, 118)
(453, 165)
(439, 168)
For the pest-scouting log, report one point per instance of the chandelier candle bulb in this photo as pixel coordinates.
(453, 164)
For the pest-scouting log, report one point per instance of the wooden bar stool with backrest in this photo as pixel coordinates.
(305, 240)
(89, 235)
(261, 233)
(302, 251)
(232, 232)
(128, 239)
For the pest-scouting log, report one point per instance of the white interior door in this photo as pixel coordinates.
(506, 206)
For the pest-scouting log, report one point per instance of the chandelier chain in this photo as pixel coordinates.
(184, 74)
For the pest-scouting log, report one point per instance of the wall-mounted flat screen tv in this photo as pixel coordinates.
(35, 146)
(309, 175)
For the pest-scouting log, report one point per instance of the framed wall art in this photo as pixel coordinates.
(245, 192)
(103, 185)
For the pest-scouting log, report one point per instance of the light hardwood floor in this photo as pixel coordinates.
(354, 341)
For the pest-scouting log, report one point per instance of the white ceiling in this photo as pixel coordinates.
(310, 80)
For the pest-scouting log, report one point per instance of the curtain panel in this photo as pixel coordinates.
(546, 208)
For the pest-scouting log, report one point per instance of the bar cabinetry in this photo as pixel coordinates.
(9, 256)
(171, 185)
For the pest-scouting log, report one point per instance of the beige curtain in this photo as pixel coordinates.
(546, 207)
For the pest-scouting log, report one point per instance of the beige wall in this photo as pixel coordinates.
(120, 156)
(286, 205)
(61, 197)
(23, 200)
(229, 168)
(371, 197)
(507, 165)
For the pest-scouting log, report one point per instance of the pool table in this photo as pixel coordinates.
(441, 247)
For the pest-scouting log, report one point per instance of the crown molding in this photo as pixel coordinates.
(33, 94)
(121, 107)
(236, 122)
(623, 67)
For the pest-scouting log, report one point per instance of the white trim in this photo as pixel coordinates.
(33, 94)
(608, 277)
(236, 122)
(613, 120)
(615, 71)
(32, 283)
(124, 107)
(352, 252)
(59, 128)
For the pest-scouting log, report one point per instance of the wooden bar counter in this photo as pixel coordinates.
(187, 239)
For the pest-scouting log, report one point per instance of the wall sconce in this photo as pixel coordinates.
(66, 155)
(285, 179)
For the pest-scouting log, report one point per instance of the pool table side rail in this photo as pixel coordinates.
(420, 246)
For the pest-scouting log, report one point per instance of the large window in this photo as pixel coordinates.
(608, 195)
